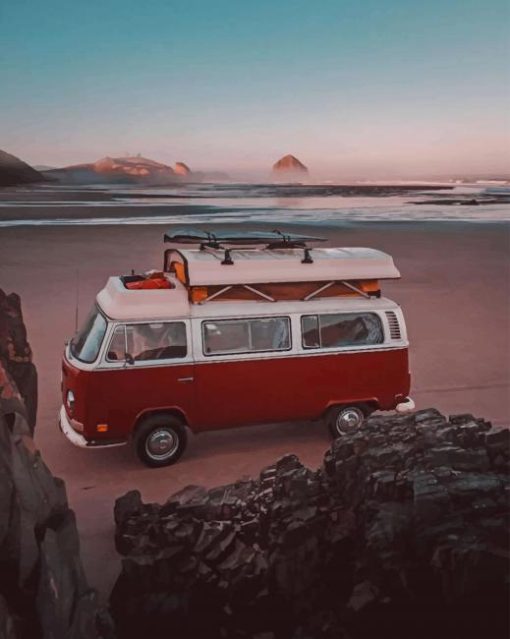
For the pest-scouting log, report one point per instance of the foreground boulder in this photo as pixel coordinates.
(402, 532)
(44, 593)
(43, 589)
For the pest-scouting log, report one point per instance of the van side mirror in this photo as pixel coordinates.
(129, 358)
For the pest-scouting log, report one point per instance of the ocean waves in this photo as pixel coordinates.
(222, 204)
(277, 215)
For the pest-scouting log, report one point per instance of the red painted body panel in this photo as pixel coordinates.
(232, 393)
(294, 388)
(119, 396)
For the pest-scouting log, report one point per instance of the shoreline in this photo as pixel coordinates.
(110, 216)
(255, 203)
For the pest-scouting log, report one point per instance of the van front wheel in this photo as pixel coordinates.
(160, 440)
(343, 420)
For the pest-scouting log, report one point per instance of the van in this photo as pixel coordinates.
(236, 329)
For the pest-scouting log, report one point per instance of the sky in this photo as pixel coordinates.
(353, 88)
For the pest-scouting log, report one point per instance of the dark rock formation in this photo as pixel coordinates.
(108, 170)
(43, 590)
(289, 167)
(403, 532)
(14, 171)
(16, 354)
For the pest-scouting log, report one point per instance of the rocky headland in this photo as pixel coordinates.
(14, 171)
(130, 170)
(121, 170)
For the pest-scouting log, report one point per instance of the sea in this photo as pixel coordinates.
(327, 204)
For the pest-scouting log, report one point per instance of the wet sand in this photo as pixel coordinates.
(454, 290)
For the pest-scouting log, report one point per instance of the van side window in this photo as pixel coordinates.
(149, 342)
(310, 330)
(246, 335)
(117, 348)
(341, 329)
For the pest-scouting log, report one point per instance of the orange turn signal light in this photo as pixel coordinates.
(370, 286)
(102, 428)
(198, 294)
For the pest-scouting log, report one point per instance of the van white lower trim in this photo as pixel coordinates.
(78, 440)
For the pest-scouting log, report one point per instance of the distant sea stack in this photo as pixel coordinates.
(289, 168)
(180, 168)
(186, 174)
(123, 170)
(14, 171)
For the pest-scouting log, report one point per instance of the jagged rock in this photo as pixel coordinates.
(16, 356)
(7, 623)
(399, 532)
(43, 590)
(128, 505)
(498, 441)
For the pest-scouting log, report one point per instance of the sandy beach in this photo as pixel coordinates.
(454, 291)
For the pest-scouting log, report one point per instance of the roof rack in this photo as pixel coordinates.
(272, 239)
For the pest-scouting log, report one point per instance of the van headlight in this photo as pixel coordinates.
(70, 401)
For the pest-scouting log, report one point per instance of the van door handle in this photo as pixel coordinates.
(184, 380)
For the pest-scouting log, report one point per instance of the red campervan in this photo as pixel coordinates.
(238, 329)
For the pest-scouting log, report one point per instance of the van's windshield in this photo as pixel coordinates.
(86, 343)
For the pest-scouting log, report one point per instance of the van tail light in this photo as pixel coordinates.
(102, 428)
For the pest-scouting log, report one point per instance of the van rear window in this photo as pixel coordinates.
(341, 330)
(222, 337)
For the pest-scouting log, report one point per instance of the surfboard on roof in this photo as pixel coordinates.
(283, 258)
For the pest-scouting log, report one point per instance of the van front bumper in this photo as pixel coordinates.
(77, 439)
(407, 406)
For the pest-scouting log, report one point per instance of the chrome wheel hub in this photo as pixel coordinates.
(161, 444)
(349, 420)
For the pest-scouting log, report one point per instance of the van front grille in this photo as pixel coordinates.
(393, 324)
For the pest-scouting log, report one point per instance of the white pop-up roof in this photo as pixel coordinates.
(204, 266)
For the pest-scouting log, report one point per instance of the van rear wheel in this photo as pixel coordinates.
(343, 420)
(160, 440)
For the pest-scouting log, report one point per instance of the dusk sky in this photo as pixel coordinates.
(374, 88)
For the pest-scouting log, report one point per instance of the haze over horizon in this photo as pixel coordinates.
(367, 89)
